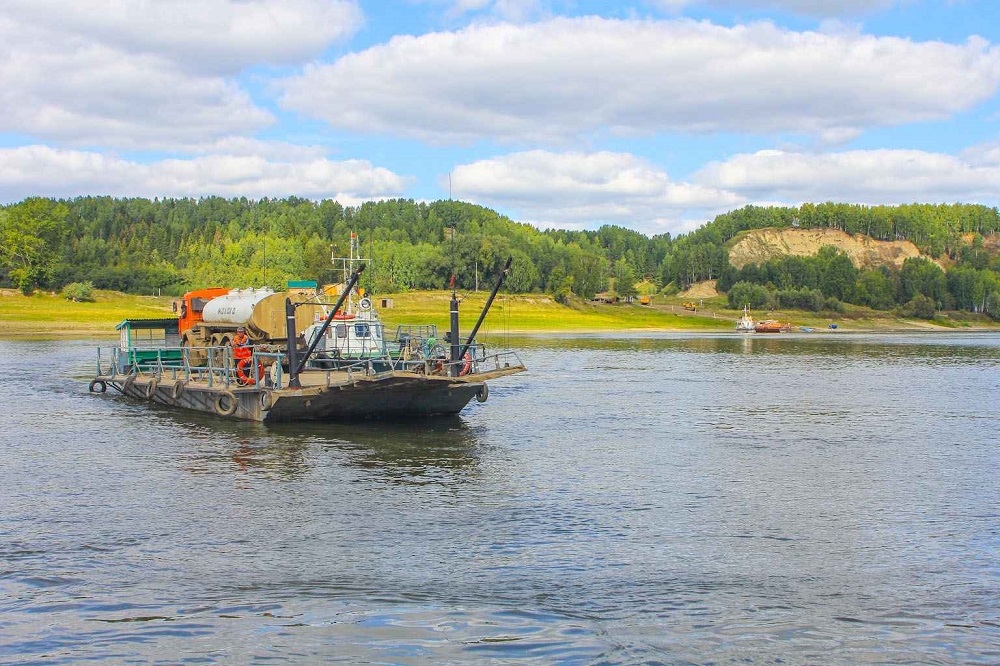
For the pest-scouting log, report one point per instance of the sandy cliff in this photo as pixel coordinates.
(759, 245)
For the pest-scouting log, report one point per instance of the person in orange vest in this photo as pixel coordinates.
(241, 344)
(241, 339)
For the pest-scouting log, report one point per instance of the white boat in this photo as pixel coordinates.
(746, 324)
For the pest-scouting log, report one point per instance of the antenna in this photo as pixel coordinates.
(348, 266)
(449, 186)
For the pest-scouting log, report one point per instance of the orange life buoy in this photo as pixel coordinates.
(343, 315)
(245, 375)
(467, 366)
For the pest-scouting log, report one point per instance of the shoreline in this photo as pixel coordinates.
(101, 334)
(45, 316)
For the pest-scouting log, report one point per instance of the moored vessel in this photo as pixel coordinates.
(745, 324)
(772, 326)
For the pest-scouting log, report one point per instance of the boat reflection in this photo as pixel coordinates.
(426, 451)
(418, 451)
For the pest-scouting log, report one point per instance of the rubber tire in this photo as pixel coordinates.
(98, 382)
(127, 384)
(177, 389)
(233, 404)
(483, 394)
(151, 388)
(265, 401)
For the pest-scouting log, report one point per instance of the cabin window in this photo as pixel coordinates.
(341, 330)
(362, 330)
(198, 304)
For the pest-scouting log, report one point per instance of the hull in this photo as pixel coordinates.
(324, 396)
(773, 328)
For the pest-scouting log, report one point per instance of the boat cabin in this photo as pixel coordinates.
(145, 341)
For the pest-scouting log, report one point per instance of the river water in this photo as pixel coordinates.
(823, 498)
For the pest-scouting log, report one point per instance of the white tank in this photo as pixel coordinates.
(236, 307)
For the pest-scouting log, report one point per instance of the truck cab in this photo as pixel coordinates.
(189, 309)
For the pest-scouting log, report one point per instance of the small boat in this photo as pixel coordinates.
(772, 326)
(745, 324)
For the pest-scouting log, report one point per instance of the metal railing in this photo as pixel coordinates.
(212, 365)
(216, 366)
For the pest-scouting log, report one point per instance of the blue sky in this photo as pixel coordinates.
(655, 115)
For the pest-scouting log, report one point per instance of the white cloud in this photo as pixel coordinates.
(802, 7)
(563, 79)
(212, 36)
(148, 75)
(860, 176)
(586, 190)
(507, 10)
(984, 155)
(44, 171)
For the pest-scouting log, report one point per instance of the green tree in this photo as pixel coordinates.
(875, 289)
(625, 279)
(745, 293)
(30, 235)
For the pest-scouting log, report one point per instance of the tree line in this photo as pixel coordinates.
(171, 245)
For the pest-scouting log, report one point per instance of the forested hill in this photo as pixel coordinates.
(139, 245)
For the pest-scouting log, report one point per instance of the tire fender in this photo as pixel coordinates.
(225, 404)
(98, 386)
(483, 394)
(151, 388)
(177, 389)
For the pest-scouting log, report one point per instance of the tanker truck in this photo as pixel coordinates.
(210, 317)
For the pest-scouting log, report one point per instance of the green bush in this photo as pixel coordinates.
(802, 299)
(921, 306)
(79, 291)
(834, 305)
(746, 293)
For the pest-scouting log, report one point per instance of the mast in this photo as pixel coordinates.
(347, 264)
(486, 308)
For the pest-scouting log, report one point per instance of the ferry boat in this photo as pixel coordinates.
(343, 367)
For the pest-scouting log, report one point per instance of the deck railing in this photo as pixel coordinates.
(213, 365)
(216, 366)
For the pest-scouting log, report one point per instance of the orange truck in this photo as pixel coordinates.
(192, 304)
(210, 317)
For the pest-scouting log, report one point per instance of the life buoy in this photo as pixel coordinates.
(151, 388)
(177, 389)
(343, 315)
(244, 373)
(98, 386)
(225, 404)
(466, 366)
(483, 393)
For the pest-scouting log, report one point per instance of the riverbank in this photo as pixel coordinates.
(46, 315)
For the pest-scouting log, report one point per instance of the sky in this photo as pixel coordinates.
(656, 115)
